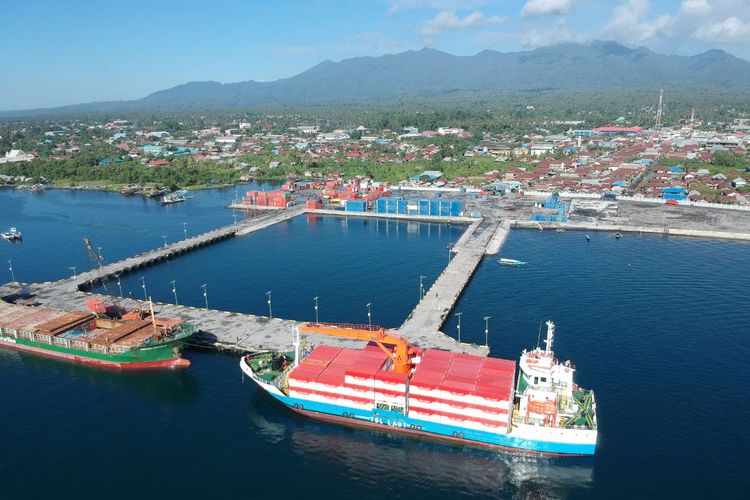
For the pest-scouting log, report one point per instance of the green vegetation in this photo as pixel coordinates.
(84, 168)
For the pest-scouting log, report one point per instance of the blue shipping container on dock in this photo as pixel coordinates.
(445, 208)
(355, 205)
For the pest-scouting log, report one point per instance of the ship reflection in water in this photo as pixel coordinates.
(381, 457)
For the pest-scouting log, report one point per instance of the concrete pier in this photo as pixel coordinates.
(242, 332)
(431, 312)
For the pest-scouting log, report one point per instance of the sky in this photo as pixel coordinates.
(73, 51)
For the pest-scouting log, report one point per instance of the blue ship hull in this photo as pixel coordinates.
(396, 421)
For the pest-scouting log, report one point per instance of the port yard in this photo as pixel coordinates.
(492, 217)
(241, 332)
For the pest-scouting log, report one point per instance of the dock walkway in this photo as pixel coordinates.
(243, 332)
(431, 312)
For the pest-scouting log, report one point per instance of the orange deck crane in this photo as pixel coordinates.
(399, 355)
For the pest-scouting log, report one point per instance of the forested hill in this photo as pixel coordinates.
(429, 73)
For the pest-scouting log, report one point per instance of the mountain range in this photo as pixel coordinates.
(429, 73)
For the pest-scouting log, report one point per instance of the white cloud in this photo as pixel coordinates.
(538, 8)
(730, 30)
(396, 7)
(534, 38)
(629, 24)
(695, 7)
(449, 21)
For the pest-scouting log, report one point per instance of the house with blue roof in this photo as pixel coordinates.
(674, 193)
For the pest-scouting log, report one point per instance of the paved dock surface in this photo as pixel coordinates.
(242, 332)
(431, 312)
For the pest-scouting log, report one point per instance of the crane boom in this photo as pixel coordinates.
(399, 355)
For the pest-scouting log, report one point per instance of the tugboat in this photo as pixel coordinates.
(12, 234)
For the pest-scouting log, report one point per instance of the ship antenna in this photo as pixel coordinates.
(539, 335)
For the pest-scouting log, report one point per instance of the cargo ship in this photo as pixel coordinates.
(455, 397)
(141, 341)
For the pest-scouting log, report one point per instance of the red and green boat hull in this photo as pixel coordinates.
(167, 355)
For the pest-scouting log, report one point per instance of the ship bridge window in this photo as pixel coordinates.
(536, 380)
(544, 379)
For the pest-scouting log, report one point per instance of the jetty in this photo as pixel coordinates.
(483, 237)
(246, 332)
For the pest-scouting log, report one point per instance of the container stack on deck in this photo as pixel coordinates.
(337, 376)
(464, 390)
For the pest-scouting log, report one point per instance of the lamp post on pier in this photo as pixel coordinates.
(174, 291)
(205, 293)
(10, 268)
(119, 285)
(143, 285)
(458, 326)
(369, 314)
(421, 287)
(165, 240)
(184, 229)
(487, 330)
(270, 311)
(73, 268)
(316, 309)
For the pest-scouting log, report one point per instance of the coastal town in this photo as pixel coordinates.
(692, 161)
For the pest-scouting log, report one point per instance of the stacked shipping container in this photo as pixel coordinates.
(279, 199)
(338, 376)
(445, 208)
(462, 390)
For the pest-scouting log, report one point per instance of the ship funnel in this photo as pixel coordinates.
(550, 336)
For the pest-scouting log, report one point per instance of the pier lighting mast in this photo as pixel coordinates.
(487, 330)
(421, 287)
(458, 326)
(316, 309)
(143, 285)
(205, 293)
(270, 311)
(174, 291)
(10, 268)
(369, 314)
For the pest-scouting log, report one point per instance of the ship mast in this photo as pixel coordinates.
(550, 336)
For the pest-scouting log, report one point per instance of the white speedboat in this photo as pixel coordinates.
(511, 262)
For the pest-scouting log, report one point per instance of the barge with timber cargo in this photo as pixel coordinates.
(139, 340)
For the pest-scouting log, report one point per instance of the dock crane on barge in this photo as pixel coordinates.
(401, 354)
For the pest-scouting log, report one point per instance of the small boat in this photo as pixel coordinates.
(618, 236)
(511, 262)
(175, 197)
(588, 238)
(12, 234)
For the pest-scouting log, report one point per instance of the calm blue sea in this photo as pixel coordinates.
(656, 326)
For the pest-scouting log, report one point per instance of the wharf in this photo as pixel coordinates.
(431, 312)
(244, 332)
(628, 228)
